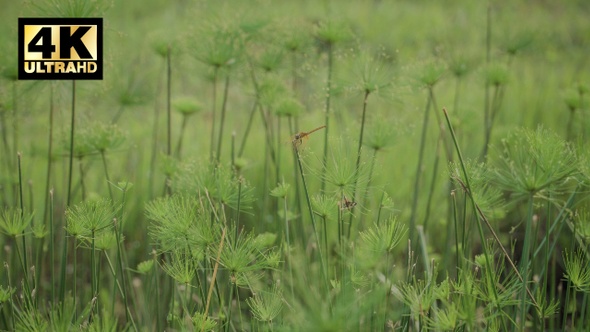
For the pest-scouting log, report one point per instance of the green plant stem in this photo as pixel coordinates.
(327, 108)
(51, 245)
(12, 315)
(72, 128)
(289, 262)
(248, 127)
(566, 306)
(82, 176)
(369, 181)
(265, 121)
(278, 163)
(298, 204)
(22, 213)
(222, 120)
(486, 115)
(49, 156)
(358, 157)
(168, 102)
(157, 285)
(74, 276)
(213, 277)
(181, 136)
(122, 272)
(488, 265)
(213, 112)
(432, 186)
(155, 139)
(229, 306)
(419, 171)
(524, 268)
(15, 120)
(106, 173)
(93, 269)
(312, 217)
(458, 259)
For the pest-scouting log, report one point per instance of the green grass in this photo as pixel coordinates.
(172, 195)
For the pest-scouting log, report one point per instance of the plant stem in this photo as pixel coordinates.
(214, 103)
(213, 277)
(106, 173)
(419, 171)
(51, 245)
(72, 128)
(524, 267)
(327, 108)
(366, 194)
(248, 127)
(358, 157)
(155, 140)
(49, 155)
(181, 135)
(312, 216)
(168, 102)
(290, 263)
(223, 110)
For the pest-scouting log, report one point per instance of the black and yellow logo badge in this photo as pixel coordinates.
(60, 48)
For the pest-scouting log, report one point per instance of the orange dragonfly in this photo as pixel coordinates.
(298, 138)
(346, 204)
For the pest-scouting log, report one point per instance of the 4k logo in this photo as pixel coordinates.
(60, 48)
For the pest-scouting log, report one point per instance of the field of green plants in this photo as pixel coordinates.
(301, 166)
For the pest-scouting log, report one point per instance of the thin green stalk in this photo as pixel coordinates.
(82, 176)
(222, 120)
(366, 194)
(168, 102)
(213, 277)
(566, 306)
(358, 156)
(297, 202)
(278, 163)
(122, 272)
(49, 156)
(51, 245)
(229, 306)
(524, 268)
(488, 267)
(106, 173)
(157, 284)
(493, 111)
(312, 216)
(233, 150)
(583, 309)
(72, 128)
(380, 208)
(155, 139)
(22, 212)
(290, 263)
(327, 108)
(265, 121)
(458, 260)
(248, 127)
(181, 135)
(15, 121)
(12, 315)
(432, 185)
(419, 170)
(213, 107)
(93, 269)
(75, 276)
(486, 115)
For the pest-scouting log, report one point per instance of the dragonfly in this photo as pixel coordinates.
(346, 204)
(298, 138)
